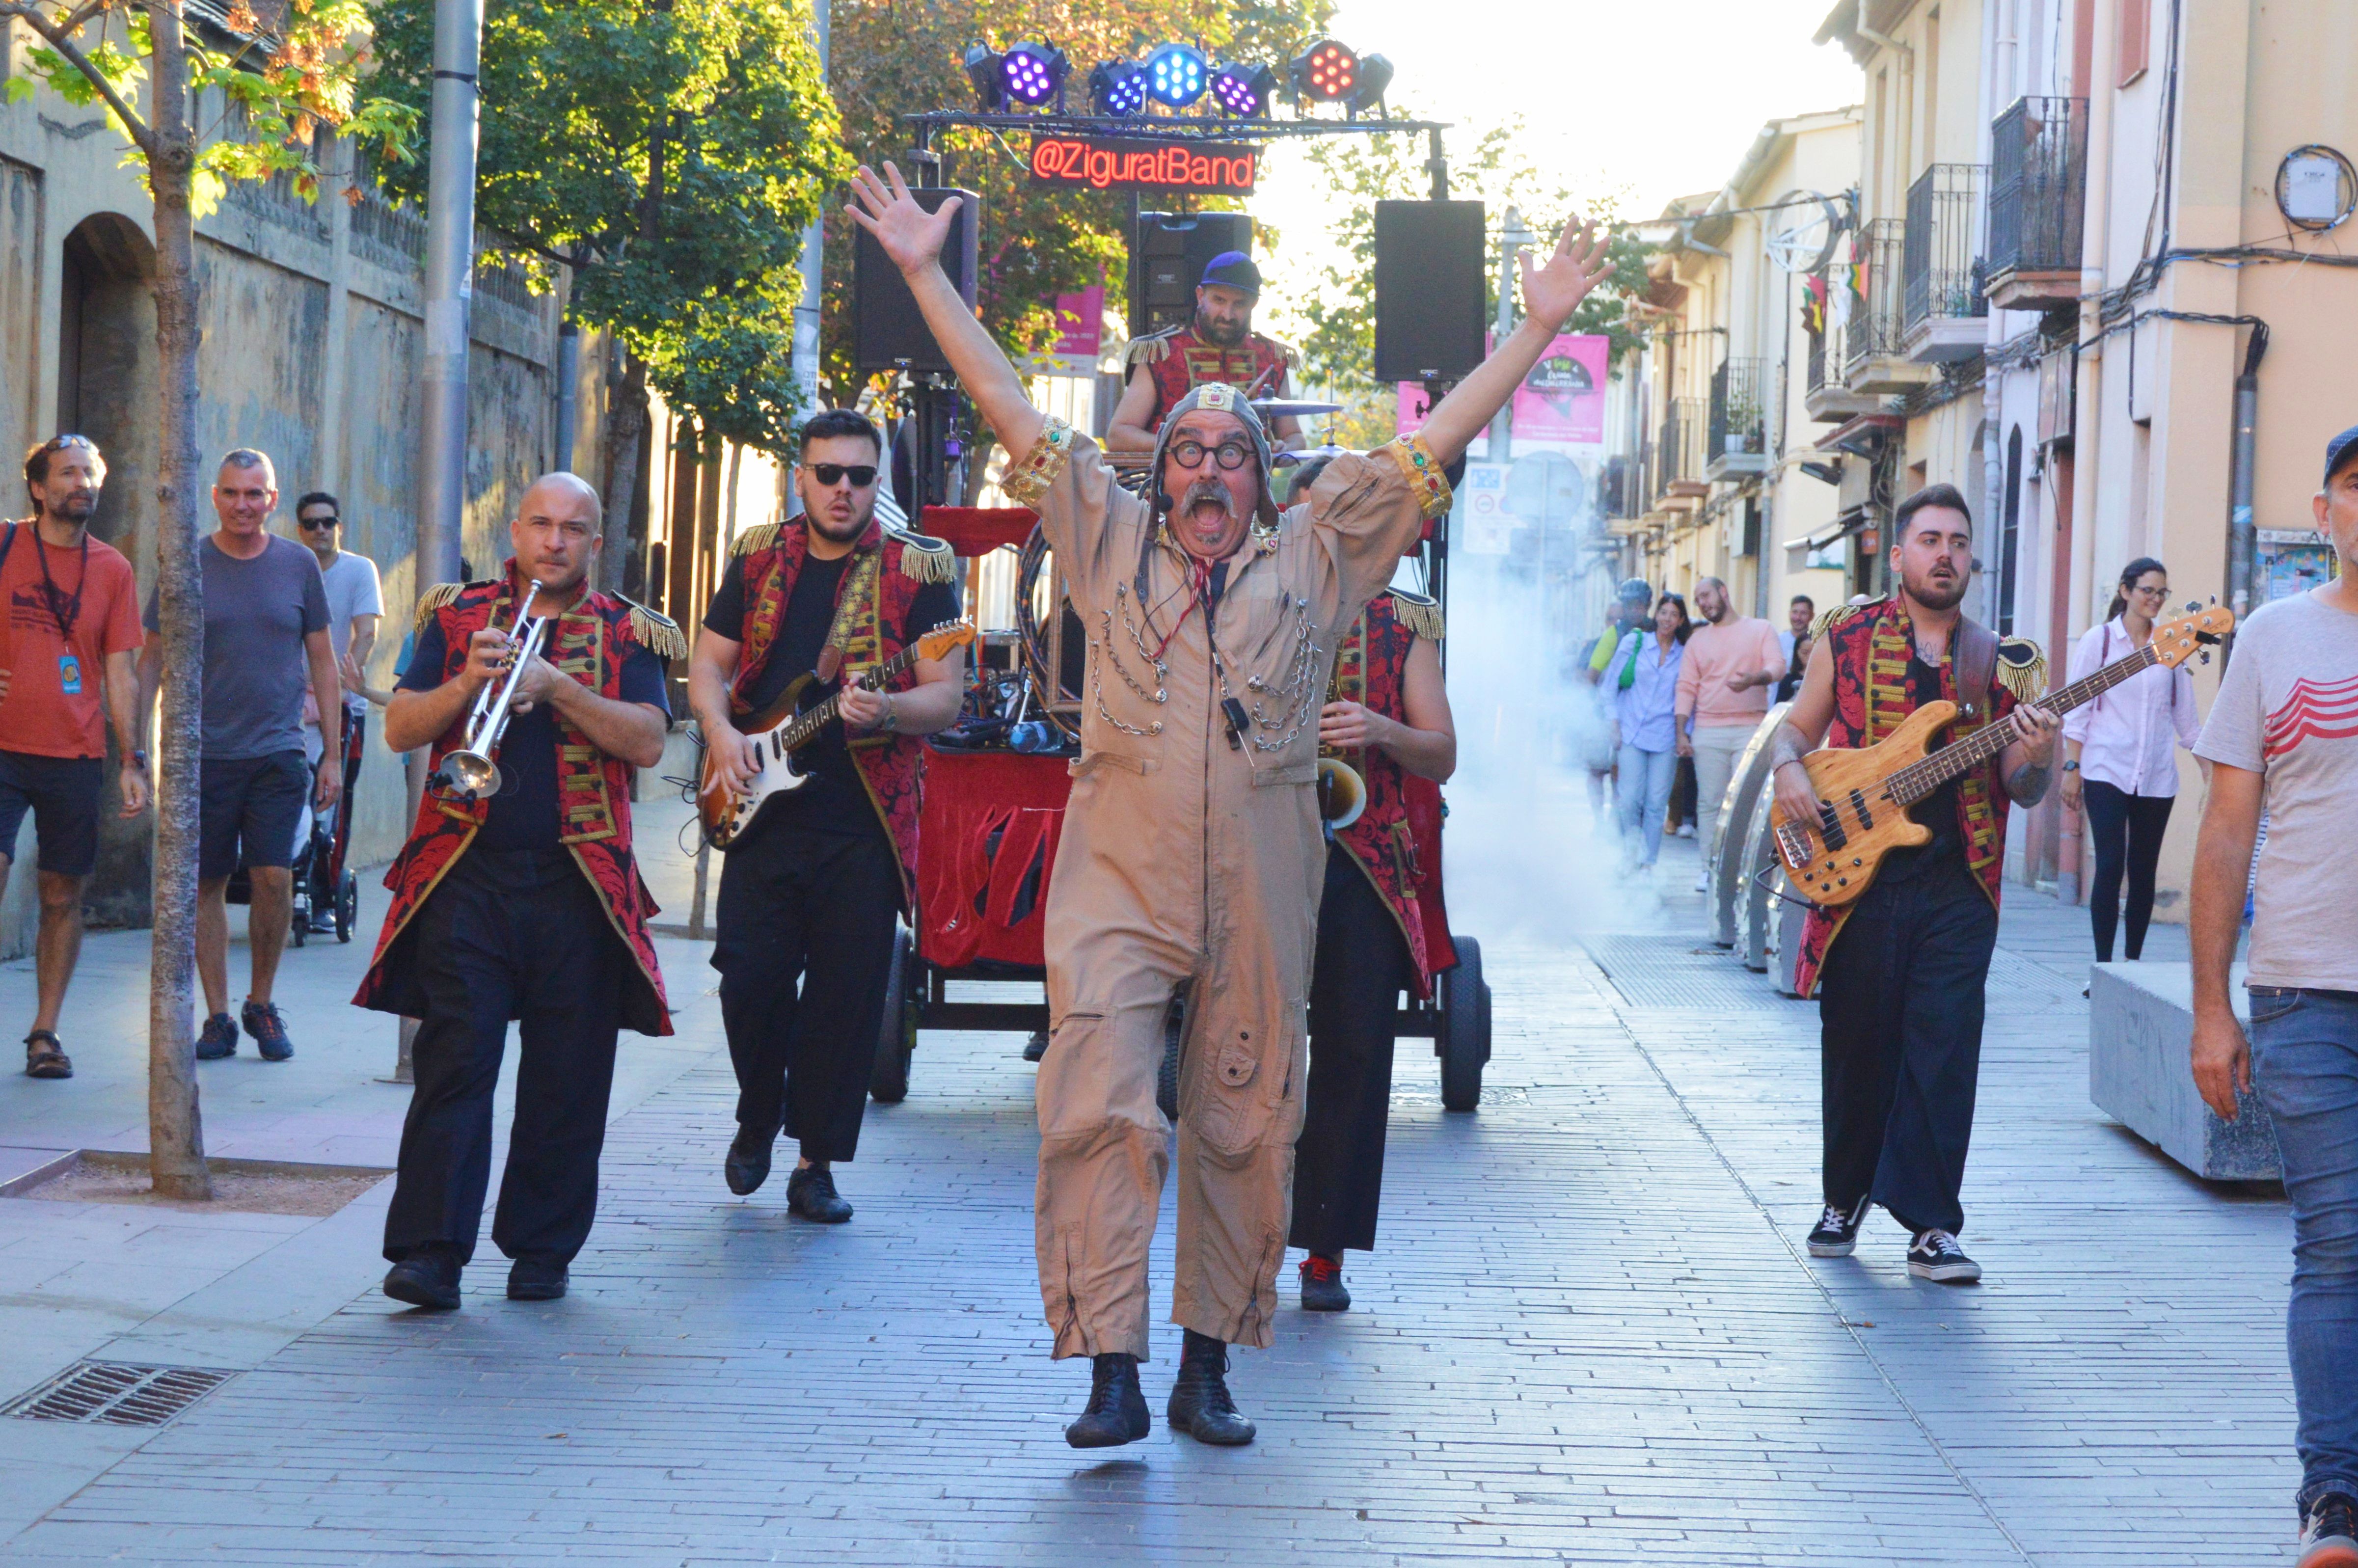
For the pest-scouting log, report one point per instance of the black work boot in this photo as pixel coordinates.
(1117, 1410)
(748, 1164)
(1200, 1405)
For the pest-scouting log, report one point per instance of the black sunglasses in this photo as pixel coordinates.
(861, 475)
(308, 522)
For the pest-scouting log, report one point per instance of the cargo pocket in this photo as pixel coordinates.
(1228, 1103)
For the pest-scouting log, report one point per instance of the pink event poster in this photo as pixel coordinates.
(1080, 323)
(1562, 402)
(1415, 408)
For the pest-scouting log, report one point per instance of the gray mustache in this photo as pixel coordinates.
(1206, 490)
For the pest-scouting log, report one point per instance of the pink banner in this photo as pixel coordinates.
(1562, 402)
(1415, 408)
(1080, 323)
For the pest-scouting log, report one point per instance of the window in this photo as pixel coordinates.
(2009, 542)
(2134, 39)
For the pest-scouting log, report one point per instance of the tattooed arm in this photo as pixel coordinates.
(2027, 765)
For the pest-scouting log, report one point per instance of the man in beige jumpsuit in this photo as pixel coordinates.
(1192, 859)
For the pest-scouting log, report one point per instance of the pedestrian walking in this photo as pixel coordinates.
(1723, 684)
(67, 647)
(1644, 675)
(1633, 611)
(1900, 974)
(356, 608)
(2120, 768)
(265, 634)
(526, 905)
(2281, 732)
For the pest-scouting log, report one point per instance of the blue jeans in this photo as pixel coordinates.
(2305, 1070)
(1644, 791)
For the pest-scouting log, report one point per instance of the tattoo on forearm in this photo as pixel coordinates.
(2028, 784)
(1785, 747)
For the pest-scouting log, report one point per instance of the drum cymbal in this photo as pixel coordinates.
(1271, 408)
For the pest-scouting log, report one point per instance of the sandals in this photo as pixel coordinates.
(45, 1058)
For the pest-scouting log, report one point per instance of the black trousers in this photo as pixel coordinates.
(509, 935)
(2126, 831)
(1899, 1010)
(1362, 964)
(805, 948)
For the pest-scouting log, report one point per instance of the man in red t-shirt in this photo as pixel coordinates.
(69, 631)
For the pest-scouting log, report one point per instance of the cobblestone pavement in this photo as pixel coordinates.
(1592, 1336)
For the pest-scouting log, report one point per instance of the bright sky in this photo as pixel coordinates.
(1656, 100)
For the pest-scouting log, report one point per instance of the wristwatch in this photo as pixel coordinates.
(892, 724)
(2070, 767)
(139, 760)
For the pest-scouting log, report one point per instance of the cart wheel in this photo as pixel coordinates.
(1167, 1079)
(896, 1039)
(348, 907)
(1465, 1028)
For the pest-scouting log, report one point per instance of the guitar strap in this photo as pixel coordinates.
(1976, 658)
(852, 603)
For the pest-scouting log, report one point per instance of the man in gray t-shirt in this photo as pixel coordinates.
(265, 638)
(2284, 736)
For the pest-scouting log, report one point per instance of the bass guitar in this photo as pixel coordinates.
(791, 721)
(1864, 793)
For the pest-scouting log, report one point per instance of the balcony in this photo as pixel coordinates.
(1739, 420)
(1825, 395)
(2038, 191)
(1878, 362)
(1944, 314)
(1679, 452)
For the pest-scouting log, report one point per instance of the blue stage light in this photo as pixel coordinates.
(1178, 75)
(1118, 88)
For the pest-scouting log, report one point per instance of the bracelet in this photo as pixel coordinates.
(1029, 478)
(892, 725)
(1423, 474)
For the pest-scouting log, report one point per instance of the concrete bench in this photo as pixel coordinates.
(2140, 1035)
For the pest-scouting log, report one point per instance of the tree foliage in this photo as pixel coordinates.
(891, 58)
(671, 151)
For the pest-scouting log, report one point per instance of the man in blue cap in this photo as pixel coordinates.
(1218, 345)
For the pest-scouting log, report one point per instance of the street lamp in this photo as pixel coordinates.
(1513, 235)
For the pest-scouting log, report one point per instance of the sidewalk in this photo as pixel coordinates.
(1592, 1333)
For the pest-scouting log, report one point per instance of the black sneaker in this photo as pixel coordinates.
(1837, 1230)
(1117, 1410)
(218, 1038)
(1321, 1285)
(427, 1278)
(1934, 1255)
(535, 1280)
(747, 1166)
(2328, 1535)
(810, 1193)
(263, 1021)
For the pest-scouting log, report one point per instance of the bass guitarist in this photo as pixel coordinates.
(1900, 996)
(811, 889)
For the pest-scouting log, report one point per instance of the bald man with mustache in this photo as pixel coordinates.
(522, 906)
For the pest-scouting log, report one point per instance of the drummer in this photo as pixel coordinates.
(1217, 345)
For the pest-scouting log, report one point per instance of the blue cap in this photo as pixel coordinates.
(2336, 449)
(1232, 269)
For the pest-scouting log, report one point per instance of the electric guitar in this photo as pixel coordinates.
(791, 721)
(1864, 793)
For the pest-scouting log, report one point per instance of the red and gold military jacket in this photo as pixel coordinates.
(588, 643)
(1372, 669)
(871, 608)
(1177, 361)
(1869, 646)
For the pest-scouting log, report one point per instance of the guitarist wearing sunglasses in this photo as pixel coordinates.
(1900, 993)
(813, 884)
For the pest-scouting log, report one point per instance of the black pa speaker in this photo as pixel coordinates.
(1429, 261)
(887, 333)
(1168, 253)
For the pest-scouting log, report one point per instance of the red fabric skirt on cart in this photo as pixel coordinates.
(987, 833)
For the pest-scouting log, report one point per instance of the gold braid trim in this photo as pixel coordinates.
(1152, 349)
(1418, 614)
(924, 558)
(655, 632)
(1032, 475)
(2022, 669)
(1828, 619)
(434, 599)
(1422, 472)
(753, 539)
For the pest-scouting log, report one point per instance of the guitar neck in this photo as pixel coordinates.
(811, 720)
(1913, 782)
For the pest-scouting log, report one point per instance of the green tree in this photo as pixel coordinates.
(291, 69)
(670, 152)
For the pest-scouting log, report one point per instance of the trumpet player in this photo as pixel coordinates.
(517, 898)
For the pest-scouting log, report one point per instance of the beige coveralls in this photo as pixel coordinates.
(1188, 864)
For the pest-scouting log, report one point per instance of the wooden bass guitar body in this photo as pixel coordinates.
(1859, 822)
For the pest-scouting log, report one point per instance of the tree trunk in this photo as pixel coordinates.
(626, 432)
(174, 1129)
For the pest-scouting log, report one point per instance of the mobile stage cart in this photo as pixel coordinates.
(988, 820)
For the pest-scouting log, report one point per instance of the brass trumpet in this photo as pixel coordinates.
(1342, 793)
(468, 774)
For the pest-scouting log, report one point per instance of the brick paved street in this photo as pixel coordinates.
(1592, 1336)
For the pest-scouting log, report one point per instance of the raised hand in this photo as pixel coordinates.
(1551, 288)
(912, 236)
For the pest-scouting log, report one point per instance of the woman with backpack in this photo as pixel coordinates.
(1644, 677)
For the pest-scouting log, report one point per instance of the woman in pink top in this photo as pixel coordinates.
(2120, 763)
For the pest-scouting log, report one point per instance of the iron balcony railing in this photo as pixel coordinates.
(1680, 452)
(1739, 412)
(2039, 185)
(1940, 254)
(1875, 328)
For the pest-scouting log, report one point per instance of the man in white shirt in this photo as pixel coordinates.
(355, 606)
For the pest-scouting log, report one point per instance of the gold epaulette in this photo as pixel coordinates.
(924, 558)
(1293, 355)
(1151, 349)
(753, 539)
(434, 599)
(1418, 614)
(656, 633)
(2022, 669)
(1828, 619)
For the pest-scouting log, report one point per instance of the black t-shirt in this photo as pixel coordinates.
(1938, 810)
(833, 800)
(524, 814)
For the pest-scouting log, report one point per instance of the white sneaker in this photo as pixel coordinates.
(1934, 1255)
(1702, 881)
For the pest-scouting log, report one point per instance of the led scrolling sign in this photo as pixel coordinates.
(1122, 163)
